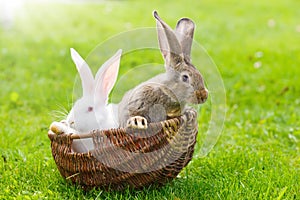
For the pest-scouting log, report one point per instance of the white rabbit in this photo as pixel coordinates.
(92, 110)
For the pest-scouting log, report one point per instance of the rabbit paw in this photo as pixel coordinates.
(137, 122)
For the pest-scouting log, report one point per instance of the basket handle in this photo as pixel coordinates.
(73, 135)
(81, 135)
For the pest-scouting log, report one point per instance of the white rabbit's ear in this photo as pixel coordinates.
(185, 32)
(106, 78)
(85, 73)
(168, 43)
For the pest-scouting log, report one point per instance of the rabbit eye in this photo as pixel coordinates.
(90, 109)
(185, 78)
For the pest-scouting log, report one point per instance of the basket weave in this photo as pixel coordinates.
(128, 158)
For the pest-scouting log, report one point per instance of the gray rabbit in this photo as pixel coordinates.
(165, 95)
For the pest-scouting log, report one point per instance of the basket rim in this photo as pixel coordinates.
(86, 135)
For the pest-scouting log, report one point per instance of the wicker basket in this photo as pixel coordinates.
(128, 158)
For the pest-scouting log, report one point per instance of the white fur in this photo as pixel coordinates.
(92, 110)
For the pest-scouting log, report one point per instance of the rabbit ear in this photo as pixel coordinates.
(106, 78)
(185, 32)
(168, 43)
(85, 73)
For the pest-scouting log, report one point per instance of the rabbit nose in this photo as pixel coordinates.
(202, 95)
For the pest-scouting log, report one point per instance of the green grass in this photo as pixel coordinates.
(257, 155)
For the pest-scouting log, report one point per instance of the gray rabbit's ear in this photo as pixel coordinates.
(185, 32)
(85, 73)
(168, 43)
(106, 78)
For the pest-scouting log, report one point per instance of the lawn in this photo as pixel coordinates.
(254, 44)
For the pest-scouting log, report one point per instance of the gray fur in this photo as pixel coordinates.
(165, 95)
